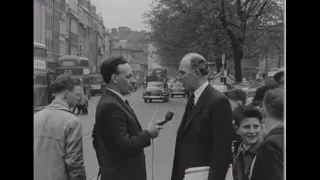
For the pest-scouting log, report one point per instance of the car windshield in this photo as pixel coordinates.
(178, 85)
(155, 84)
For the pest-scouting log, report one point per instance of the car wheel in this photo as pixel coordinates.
(145, 100)
(172, 95)
(150, 100)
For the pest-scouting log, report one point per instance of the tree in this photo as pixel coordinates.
(240, 27)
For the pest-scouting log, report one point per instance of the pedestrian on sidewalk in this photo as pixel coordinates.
(58, 150)
(81, 101)
(269, 161)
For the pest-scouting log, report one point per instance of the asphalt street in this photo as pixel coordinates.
(163, 145)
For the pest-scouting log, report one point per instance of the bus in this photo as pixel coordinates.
(97, 84)
(77, 67)
(40, 81)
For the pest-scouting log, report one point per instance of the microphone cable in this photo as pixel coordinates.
(152, 147)
(152, 160)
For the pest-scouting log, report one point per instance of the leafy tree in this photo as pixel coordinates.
(243, 28)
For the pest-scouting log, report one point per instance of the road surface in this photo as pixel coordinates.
(163, 145)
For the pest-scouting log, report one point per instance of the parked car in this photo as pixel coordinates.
(177, 89)
(156, 90)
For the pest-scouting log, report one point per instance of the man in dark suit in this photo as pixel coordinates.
(268, 164)
(118, 138)
(205, 133)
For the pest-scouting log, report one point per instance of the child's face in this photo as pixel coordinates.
(250, 130)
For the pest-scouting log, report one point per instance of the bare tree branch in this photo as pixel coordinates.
(260, 11)
(238, 4)
(252, 6)
(244, 5)
(251, 55)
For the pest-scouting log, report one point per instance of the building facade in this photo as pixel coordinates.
(39, 26)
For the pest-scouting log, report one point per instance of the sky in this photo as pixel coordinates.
(123, 13)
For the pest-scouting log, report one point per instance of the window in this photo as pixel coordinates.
(40, 80)
(84, 63)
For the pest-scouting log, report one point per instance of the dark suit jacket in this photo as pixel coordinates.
(204, 137)
(119, 140)
(269, 160)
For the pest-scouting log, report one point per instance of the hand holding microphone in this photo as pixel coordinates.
(154, 128)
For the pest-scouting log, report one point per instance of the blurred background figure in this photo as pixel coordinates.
(279, 77)
(237, 97)
(82, 100)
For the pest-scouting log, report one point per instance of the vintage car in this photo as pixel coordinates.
(177, 89)
(156, 90)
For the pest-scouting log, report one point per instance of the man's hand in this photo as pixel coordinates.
(154, 129)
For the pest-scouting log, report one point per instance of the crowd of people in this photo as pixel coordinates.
(216, 131)
(260, 121)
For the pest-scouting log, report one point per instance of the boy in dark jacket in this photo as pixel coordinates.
(248, 127)
(269, 161)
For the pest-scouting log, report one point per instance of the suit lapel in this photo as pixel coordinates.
(184, 118)
(124, 104)
(197, 109)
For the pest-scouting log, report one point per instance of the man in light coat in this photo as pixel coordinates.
(58, 151)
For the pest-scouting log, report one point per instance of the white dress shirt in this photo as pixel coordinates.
(118, 94)
(199, 91)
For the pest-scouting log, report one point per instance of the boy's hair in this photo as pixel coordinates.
(274, 103)
(242, 112)
(261, 91)
(62, 83)
(237, 95)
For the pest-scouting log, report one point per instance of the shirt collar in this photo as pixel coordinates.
(200, 90)
(253, 149)
(118, 94)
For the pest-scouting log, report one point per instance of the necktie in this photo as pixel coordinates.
(191, 102)
(189, 107)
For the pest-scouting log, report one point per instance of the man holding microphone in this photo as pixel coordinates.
(118, 138)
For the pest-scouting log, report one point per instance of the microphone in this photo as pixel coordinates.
(168, 118)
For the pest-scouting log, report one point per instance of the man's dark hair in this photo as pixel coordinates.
(62, 83)
(274, 103)
(261, 91)
(198, 62)
(237, 95)
(110, 67)
(242, 112)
